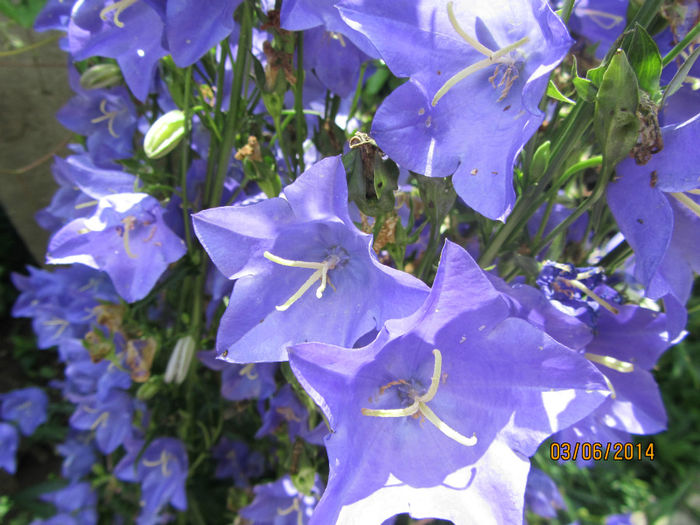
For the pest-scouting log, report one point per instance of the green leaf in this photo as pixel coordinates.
(371, 180)
(595, 75)
(553, 92)
(584, 89)
(23, 12)
(438, 195)
(645, 59)
(616, 123)
(680, 76)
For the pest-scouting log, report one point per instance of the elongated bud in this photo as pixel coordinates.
(101, 76)
(164, 134)
(150, 388)
(180, 360)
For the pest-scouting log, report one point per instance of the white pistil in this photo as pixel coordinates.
(688, 202)
(294, 507)
(128, 226)
(419, 406)
(321, 272)
(118, 7)
(610, 362)
(162, 461)
(109, 116)
(249, 372)
(590, 293)
(492, 57)
(601, 18)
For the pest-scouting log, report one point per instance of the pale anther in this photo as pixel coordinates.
(420, 407)
(688, 202)
(128, 226)
(294, 507)
(492, 57)
(590, 293)
(320, 273)
(249, 372)
(108, 116)
(118, 8)
(162, 461)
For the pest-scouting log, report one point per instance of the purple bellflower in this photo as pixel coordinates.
(76, 504)
(78, 456)
(304, 271)
(478, 70)
(235, 460)
(54, 15)
(542, 495)
(126, 30)
(657, 208)
(238, 382)
(438, 415)
(162, 472)
(109, 419)
(26, 407)
(9, 441)
(600, 21)
(285, 407)
(125, 237)
(281, 503)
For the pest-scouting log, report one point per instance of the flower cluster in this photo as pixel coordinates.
(407, 242)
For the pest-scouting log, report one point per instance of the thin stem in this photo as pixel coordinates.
(680, 46)
(232, 121)
(187, 110)
(567, 9)
(30, 47)
(356, 97)
(299, 103)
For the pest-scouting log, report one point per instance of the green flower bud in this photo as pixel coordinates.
(150, 388)
(101, 76)
(180, 359)
(164, 134)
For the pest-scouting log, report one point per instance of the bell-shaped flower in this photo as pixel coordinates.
(126, 30)
(126, 237)
(285, 407)
(599, 21)
(110, 419)
(78, 456)
(75, 503)
(281, 503)
(657, 207)
(162, 471)
(235, 460)
(304, 271)
(239, 382)
(478, 70)
(9, 441)
(26, 407)
(438, 415)
(542, 495)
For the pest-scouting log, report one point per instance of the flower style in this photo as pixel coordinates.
(162, 472)
(26, 407)
(304, 271)
(478, 70)
(438, 415)
(126, 237)
(281, 503)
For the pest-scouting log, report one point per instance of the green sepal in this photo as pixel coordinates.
(585, 89)
(645, 59)
(438, 196)
(264, 173)
(540, 161)
(616, 123)
(371, 180)
(553, 92)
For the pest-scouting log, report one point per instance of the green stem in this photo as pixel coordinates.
(299, 103)
(567, 9)
(681, 45)
(429, 255)
(232, 121)
(280, 139)
(187, 109)
(356, 97)
(36, 45)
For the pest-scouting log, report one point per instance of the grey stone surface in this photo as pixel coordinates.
(33, 86)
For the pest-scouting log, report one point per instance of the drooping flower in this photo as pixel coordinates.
(477, 71)
(438, 415)
(657, 208)
(9, 441)
(26, 407)
(281, 503)
(304, 271)
(125, 237)
(110, 419)
(162, 472)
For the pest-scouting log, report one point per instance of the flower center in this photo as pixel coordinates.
(118, 8)
(420, 404)
(610, 362)
(162, 461)
(503, 56)
(321, 270)
(109, 116)
(590, 293)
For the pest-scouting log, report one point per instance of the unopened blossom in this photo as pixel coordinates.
(477, 70)
(304, 271)
(438, 415)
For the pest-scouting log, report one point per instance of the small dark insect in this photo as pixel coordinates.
(654, 179)
(640, 221)
(506, 108)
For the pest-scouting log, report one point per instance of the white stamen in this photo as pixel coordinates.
(590, 293)
(118, 8)
(109, 116)
(688, 202)
(605, 360)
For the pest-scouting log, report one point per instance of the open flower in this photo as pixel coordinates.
(438, 415)
(478, 70)
(304, 271)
